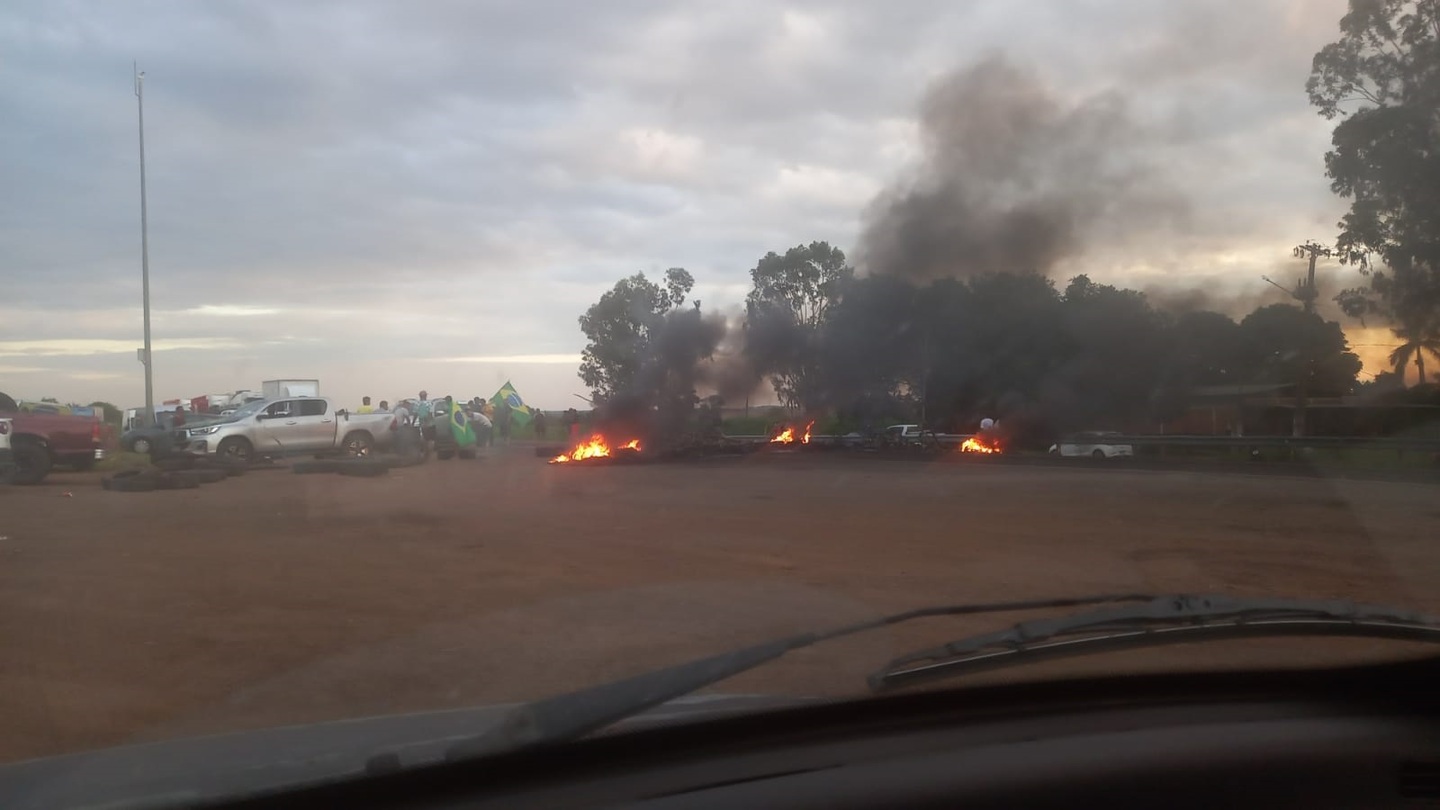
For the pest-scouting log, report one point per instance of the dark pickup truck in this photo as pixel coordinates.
(41, 441)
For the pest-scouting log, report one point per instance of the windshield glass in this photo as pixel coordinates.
(695, 327)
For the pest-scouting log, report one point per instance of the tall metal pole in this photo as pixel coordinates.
(144, 252)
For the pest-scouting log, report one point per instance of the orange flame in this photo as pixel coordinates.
(594, 447)
(974, 445)
(787, 436)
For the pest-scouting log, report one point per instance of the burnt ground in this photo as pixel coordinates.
(277, 598)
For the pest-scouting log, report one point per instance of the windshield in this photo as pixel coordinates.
(696, 327)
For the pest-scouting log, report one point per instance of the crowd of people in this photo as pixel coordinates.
(491, 420)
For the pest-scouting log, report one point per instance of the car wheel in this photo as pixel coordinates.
(31, 462)
(359, 445)
(141, 446)
(1098, 454)
(235, 449)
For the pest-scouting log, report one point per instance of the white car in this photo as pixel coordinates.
(1097, 444)
(7, 460)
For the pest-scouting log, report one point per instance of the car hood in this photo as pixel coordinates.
(190, 770)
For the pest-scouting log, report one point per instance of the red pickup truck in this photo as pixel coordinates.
(40, 441)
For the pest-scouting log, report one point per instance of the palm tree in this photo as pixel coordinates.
(1419, 338)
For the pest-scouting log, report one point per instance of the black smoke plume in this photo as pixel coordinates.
(1012, 179)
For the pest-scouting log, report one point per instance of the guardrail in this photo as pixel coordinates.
(1418, 443)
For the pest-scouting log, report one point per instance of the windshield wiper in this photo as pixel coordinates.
(1132, 620)
(1162, 620)
(575, 714)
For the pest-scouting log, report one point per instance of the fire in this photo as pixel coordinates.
(787, 436)
(594, 447)
(974, 445)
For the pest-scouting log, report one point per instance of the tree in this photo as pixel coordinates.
(109, 413)
(1418, 339)
(790, 298)
(1285, 345)
(1386, 152)
(620, 328)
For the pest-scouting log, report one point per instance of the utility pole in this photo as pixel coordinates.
(144, 253)
(1306, 294)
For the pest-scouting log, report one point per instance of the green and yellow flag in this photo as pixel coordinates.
(520, 413)
(460, 426)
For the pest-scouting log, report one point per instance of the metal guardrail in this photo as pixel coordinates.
(1418, 443)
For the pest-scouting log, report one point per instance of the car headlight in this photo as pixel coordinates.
(204, 431)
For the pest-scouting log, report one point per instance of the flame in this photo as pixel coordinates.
(787, 436)
(974, 445)
(594, 447)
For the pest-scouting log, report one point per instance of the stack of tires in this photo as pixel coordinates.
(172, 473)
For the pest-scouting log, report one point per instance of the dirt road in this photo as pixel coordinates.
(277, 598)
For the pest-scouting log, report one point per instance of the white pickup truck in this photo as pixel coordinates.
(289, 426)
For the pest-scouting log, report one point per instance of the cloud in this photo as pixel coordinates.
(57, 348)
(534, 359)
(386, 182)
(23, 369)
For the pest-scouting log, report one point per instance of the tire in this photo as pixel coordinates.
(363, 468)
(141, 446)
(134, 481)
(235, 449)
(182, 479)
(1098, 455)
(325, 465)
(445, 455)
(209, 475)
(358, 445)
(32, 462)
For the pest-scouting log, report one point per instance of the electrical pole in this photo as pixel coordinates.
(1306, 294)
(144, 253)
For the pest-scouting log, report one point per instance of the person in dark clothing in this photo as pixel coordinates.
(179, 420)
(540, 425)
(502, 420)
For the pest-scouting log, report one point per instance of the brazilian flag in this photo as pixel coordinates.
(460, 426)
(520, 413)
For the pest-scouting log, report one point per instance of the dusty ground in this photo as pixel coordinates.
(276, 598)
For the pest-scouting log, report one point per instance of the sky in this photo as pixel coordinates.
(389, 197)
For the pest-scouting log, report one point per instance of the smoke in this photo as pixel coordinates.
(657, 405)
(1012, 179)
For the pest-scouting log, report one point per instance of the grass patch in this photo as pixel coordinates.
(115, 462)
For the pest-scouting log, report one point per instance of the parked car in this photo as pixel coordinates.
(291, 426)
(7, 462)
(1098, 444)
(158, 439)
(42, 441)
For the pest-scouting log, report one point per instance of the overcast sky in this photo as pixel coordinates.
(392, 196)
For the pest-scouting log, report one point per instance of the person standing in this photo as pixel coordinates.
(384, 407)
(402, 413)
(502, 419)
(539, 423)
(365, 406)
(179, 420)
